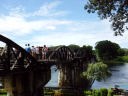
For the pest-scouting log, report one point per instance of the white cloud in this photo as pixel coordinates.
(20, 26)
(85, 33)
(17, 11)
(55, 31)
(49, 9)
(17, 23)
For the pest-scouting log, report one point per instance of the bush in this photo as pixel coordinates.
(95, 92)
(110, 92)
(87, 93)
(103, 92)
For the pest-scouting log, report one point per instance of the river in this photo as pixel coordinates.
(119, 77)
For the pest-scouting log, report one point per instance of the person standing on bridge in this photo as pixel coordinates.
(28, 49)
(33, 51)
(44, 52)
(37, 52)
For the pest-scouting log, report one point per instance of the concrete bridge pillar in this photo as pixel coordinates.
(18, 84)
(27, 83)
(70, 77)
(65, 76)
(13, 85)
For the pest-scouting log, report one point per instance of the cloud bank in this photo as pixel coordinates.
(44, 26)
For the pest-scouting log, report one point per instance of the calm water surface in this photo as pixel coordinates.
(119, 77)
(54, 78)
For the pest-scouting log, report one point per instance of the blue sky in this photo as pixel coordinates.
(54, 22)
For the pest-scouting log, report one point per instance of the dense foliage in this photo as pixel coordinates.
(74, 47)
(87, 53)
(115, 10)
(125, 51)
(103, 92)
(107, 50)
(98, 71)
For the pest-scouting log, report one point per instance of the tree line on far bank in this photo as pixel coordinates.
(104, 51)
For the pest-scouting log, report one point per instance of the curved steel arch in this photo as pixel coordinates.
(10, 44)
(62, 53)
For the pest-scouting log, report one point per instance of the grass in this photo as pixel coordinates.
(122, 58)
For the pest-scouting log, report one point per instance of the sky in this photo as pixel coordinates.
(54, 22)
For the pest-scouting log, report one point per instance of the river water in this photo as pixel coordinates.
(119, 77)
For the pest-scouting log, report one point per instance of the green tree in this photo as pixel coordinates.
(74, 47)
(115, 10)
(98, 71)
(125, 51)
(87, 53)
(107, 50)
(121, 52)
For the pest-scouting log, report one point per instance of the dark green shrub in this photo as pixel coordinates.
(103, 92)
(110, 92)
(87, 93)
(95, 92)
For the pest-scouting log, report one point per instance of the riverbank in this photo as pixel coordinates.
(120, 60)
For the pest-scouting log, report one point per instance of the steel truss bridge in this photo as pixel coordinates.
(23, 75)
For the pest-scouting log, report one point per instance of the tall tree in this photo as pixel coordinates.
(115, 10)
(107, 50)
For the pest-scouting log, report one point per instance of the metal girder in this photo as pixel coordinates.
(13, 54)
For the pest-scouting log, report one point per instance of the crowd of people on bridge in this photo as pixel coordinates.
(38, 52)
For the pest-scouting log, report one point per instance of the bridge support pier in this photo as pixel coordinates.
(65, 76)
(70, 78)
(26, 84)
(17, 85)
(13, 85)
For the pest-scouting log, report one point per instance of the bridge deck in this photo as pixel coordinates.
(49, 61)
